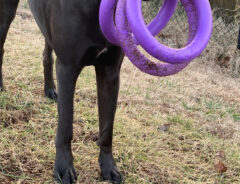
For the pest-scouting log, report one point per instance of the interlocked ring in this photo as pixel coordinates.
(108, 27)
(130, 24)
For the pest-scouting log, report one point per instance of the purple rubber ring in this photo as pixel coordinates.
(138, 59)
(162, 52)
(106, 19)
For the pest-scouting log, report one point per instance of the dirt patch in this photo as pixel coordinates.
(16, 117)
(91, 137)
(81, 95)
(14, 167)
(222, 132)
(154, 174)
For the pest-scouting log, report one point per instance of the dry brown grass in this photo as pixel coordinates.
(199, 105)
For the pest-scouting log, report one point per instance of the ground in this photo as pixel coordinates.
(167, 130)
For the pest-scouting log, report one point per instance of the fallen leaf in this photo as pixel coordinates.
(220, 167)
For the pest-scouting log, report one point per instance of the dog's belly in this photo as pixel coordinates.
(69, 25)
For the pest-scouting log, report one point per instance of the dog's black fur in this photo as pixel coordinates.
(7, 14)
(71, 29)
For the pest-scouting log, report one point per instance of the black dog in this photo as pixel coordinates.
(71, 29)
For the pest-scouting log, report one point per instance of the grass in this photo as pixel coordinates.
(200, 104)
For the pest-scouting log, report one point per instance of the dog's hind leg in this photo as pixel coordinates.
(107, 89)
(49, 86)
(7, 13)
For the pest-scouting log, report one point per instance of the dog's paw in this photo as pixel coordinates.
(111, 175)
(51, 93)
(109, 171)
(1, 86)
(65, 174)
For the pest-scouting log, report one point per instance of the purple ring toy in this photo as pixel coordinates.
(130, 25)
(106, 19)
(153, 47)
(132, 52)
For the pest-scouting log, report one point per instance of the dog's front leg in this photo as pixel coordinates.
(108, 87)
(64, 170)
